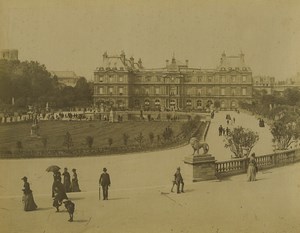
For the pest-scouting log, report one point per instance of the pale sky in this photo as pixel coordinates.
(73, 34)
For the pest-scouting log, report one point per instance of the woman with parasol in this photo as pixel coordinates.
(27, 199)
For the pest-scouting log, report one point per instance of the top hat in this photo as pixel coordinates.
(104, 169)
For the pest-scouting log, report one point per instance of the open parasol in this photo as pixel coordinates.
(53, 168)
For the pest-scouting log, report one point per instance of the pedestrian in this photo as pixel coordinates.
(70, 206)
(227, 131)
(67, 180)
(56, 178)
(220, 130)
(233, 120)
(27, 199)
(252, 168)
(104, 181)
(223, 131)
(59, 195)
(179, 180)
(75, 184)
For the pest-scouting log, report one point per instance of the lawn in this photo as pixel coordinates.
(99, 130)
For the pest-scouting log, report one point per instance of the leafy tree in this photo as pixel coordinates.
(151, 137)
(168, 133)
(125, 138)
(68, 142)
(19, 145)
(139, 139)
(240, 141)
(110, 141)
(89, 141)
(286, 130)
(44, 142)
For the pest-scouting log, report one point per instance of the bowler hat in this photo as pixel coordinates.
(104, 169)
(73, 169)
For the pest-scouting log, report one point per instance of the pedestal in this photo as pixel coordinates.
(201, 167)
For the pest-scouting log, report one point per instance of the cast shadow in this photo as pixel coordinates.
(43, 208)
(117, 198)
(80, 220)
(189, 190)
(76, 198)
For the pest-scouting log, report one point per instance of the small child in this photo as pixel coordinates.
(70, 206)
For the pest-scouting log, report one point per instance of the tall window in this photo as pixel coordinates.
(199, 91)
(110, 90)
(222, 91)
(244, 78)
(101, 79)
(157, 90)
(120, 79)
(110, 79)
(233, 79)
(200, 79)
(244, 91)
(209, 91)
(233, 91)
(223, 79)
(100, 90)
(121, 90)
(158, 79)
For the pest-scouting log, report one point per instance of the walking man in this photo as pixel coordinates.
(104, 181)
(179, 180)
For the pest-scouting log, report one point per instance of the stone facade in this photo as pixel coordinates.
(124, 83)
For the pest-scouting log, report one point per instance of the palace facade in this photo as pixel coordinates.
(123, 83)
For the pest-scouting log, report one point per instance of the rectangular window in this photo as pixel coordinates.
(244, 91)
(199, 91)
(244, 78)
(100, 90)
(222, 91)
(157, 90)
(233, 79)
(110, 90)
(101, 79)
(158, 79)
(147, 91)
(209, 91)
(209, 79)
(233, 91)
(120, 79)
(110, 79)
(223, 79)
(121, 90)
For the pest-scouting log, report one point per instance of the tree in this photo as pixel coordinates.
(125, 138)
(19, 145)
(68, 142)
(89, 141)
(44, 142)
(139, 139)
(240, 141)
(286, 130)
(110, 141)
(151, 137)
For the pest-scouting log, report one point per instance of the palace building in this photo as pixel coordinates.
(123, 83)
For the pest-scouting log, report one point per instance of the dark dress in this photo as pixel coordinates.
(104, 181)
(67, 181)
(59, 194)
(56, 178)
(75, 184)
(28, 200)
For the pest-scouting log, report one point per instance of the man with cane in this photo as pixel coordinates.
(104, 181)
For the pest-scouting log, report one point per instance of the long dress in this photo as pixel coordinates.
(75, 185)
(67, 181)
(252, 169)
(28, 200)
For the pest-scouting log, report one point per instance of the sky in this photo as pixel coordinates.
(73, 34)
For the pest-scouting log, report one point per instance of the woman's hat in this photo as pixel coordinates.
(104, 169)
(24, 178)
(73, 169)
(178, 168)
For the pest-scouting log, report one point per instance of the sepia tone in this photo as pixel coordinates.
(149, 62)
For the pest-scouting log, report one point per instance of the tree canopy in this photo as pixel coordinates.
(29, 83)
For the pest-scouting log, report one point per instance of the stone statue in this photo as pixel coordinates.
(197, 145)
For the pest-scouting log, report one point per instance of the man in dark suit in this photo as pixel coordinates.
(104, 181)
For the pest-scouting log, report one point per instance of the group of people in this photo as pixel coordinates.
(223, 131)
